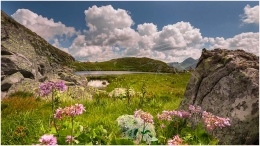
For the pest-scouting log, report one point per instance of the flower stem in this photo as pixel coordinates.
(53, 112)
(143, 132)
(72, 118)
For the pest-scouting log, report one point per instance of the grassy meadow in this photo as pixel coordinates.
(25, 118)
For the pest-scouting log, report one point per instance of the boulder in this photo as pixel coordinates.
(10, 80)
(11, 64)
(26, 85)
(77, 79)
(226, 83)
(132, 128)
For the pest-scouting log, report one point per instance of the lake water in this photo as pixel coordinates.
(97, 73)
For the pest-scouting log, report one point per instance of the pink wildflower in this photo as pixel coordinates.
(162, 126)
(69, 139)
(79, 109)
(175, 141)
(164, 116)
(195, 110)
(147, 118)
(211, 121)
(48, 140)
(72, 110)
(59, 113)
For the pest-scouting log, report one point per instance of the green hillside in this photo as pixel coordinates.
(125, 64)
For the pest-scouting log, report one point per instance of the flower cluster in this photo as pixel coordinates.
(194, 109)
(175, 141)
(72, 110)
(47, 87)
(48, 140)
(69, 139)
(166, 115)
(211, 121)
(146, 117)
(121, 92)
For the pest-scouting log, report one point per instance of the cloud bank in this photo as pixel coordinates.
(110, 35)
(46, 28)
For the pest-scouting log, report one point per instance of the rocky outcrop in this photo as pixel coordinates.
(226, 83)
(10, 80)
(27, 59)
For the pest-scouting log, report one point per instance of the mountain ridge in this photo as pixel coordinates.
(185, 65)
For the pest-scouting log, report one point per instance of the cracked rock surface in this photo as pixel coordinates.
(226, 83)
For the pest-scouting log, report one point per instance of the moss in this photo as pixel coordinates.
(207, 63)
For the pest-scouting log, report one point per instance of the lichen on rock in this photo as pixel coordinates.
(226, 83)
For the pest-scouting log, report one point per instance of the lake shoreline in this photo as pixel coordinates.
(100, 73)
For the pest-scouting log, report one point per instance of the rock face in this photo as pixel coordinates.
(226, 83)
(26, 58)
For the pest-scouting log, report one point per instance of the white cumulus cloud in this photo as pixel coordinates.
(248, 41)
(177, 36)
(251, 14)
(46, 28)
(147, 29)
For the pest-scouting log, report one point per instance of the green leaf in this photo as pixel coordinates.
(214, 142)
(154, 139)
(65, 132)
(84, 138)
(146, 131)
(62, 140)
(53, 130)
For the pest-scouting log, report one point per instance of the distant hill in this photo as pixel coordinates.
(185, 65)
(125, 64)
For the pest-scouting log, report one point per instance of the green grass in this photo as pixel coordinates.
(24, 123)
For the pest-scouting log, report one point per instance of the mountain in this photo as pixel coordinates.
(185, 65)
(27, 59)
(126, 64)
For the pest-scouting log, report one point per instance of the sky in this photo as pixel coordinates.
(170, 31)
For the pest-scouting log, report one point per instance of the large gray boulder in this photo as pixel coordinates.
(11, 64)
(226, 83)
(26, 85)
(10, 80)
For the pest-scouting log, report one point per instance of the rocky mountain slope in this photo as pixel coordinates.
(185, 65)
(25, 56)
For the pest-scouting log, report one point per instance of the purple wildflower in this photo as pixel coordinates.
(60, 85)
(69, 139)
(47, 87)
(48, 140)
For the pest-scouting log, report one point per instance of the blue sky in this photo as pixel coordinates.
(184, 27)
